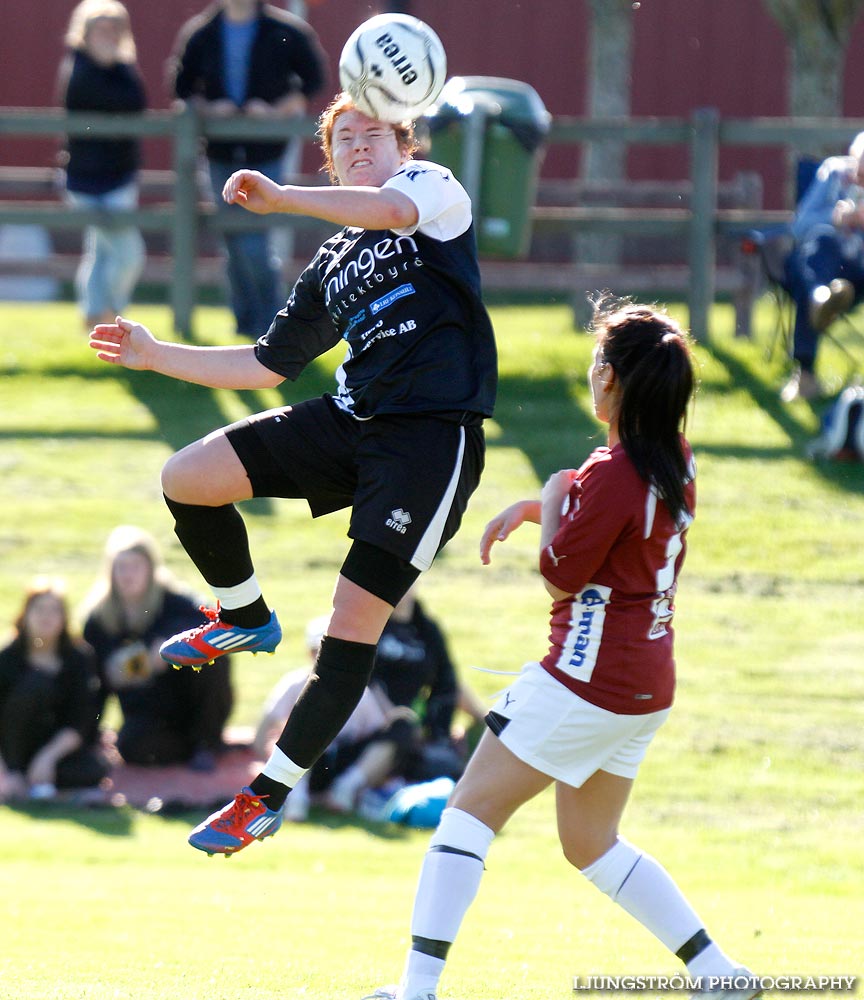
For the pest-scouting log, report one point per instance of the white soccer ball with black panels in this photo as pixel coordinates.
(393, 66)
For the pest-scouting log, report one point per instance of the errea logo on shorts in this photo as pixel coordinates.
(398, 520)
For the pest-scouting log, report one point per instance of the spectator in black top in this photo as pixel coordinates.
(169, 716)
(99, 74)
(47, 702)
(242, 57)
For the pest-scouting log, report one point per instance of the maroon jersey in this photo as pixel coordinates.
(617, 552)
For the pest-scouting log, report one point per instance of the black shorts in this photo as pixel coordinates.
(408, 477)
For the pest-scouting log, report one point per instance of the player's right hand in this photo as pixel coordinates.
(505, 523)
(254, 191)
(123, 343)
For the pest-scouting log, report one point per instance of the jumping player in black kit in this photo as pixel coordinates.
(400, 442)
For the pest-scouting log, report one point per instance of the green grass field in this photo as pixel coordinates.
(752, 794)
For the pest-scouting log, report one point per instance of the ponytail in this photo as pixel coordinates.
(650, 355)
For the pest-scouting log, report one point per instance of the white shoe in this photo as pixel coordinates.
(741, 984)
(392, 993)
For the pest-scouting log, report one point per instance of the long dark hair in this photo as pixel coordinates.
(40, 587)
(650, 355)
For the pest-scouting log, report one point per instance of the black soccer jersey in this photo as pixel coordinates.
(407, 303)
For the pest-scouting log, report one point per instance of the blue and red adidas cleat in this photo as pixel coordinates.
(236, 825)
(204, 643)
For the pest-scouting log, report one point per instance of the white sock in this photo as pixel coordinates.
(281, 768)
(711, 961)
(642, 886)
(238, 596)
(449, 880)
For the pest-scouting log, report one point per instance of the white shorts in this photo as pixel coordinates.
(557, 732)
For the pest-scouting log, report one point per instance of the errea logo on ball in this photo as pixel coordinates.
(399, 520)
(397, 57)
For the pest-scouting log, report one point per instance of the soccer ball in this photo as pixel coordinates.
(393, 66)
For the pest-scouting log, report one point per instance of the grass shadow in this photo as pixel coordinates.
(843, 475)
(540, 418)
(107, 820)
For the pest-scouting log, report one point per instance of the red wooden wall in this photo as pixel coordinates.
(687, 54)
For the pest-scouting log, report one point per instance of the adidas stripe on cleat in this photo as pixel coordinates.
(203, 644)
(236, 825)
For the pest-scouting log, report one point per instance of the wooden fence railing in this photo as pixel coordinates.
(702, 222)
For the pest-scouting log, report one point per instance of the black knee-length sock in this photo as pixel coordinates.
(325, 704)
(215, 539)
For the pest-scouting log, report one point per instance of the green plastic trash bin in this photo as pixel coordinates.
(490, 132)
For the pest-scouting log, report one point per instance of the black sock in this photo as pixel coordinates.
(272, 792)
(251, 616)
(326, 702)
(215, 539)
(330, 696)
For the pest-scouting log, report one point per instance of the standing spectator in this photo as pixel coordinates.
(825, 270)
(169, 716)
(99, 74)
(242, 57)
(47, 702)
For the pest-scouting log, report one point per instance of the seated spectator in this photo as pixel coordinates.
(825, 270)
(47, 703)
(402, 728)
(413, 669)
(169, 716)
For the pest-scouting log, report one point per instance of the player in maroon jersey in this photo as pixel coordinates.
(612, 543)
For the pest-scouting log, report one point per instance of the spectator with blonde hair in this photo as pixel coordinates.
(99, 74)
(169, 717)
(47, 702)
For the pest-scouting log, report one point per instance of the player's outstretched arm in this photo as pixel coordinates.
(134, 346)
(364, 207)
(505, 523)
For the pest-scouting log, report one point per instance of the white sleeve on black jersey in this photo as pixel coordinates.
(443, 205)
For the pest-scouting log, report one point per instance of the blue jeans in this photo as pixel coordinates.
(113, 257)
(254, 276)
(817, 260)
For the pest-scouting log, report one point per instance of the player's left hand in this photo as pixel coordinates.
(558, 485)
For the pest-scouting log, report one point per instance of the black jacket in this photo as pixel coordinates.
(98, 165)
(286, 58)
